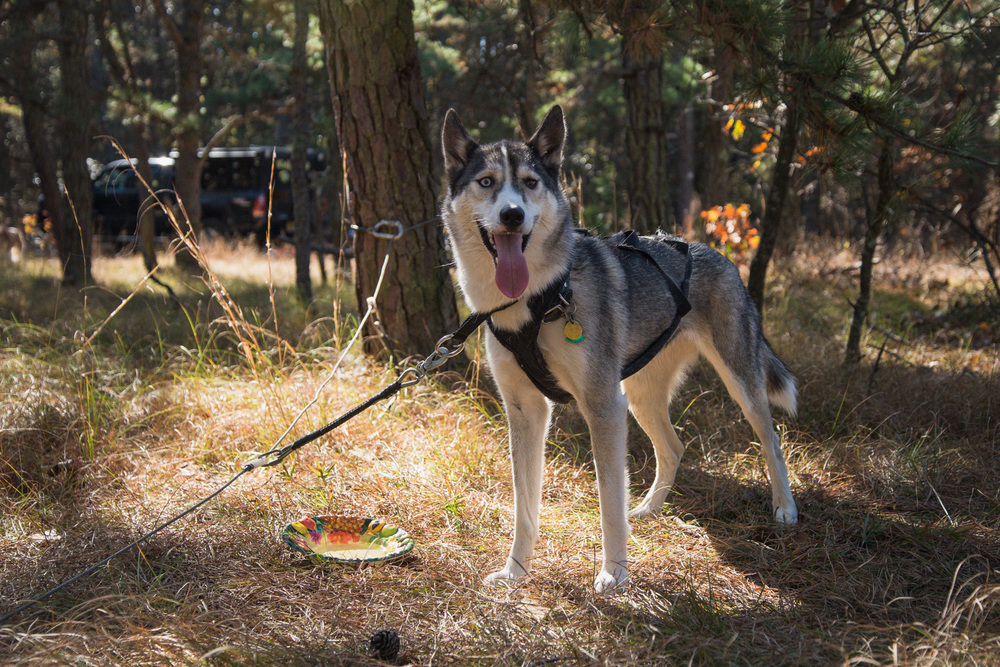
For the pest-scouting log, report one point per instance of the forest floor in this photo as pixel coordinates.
(111, 422)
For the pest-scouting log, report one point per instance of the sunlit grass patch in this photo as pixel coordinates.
(893, 468)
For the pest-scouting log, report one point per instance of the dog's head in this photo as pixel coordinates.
(503, 196)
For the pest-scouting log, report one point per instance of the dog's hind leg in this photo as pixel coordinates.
(528, 414)
(746, 383)
(649, 393)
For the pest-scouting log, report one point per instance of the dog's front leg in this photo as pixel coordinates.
(528, 415)
(607, 417)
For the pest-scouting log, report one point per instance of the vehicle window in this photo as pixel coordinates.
(124, 179)
(158, 177)
(228, 174)
(242, 171)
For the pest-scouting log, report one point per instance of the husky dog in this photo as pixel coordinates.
(601, 321)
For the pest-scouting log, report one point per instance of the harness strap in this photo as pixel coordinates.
(678, 292)
(523, 343)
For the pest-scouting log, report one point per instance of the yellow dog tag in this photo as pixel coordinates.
(573, 331)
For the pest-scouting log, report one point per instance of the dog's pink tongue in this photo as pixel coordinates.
(512, 268)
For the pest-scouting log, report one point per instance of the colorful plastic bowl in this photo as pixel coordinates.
(346, 539)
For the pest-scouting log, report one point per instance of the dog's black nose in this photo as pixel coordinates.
(511, 216)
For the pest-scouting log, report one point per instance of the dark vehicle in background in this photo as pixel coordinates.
(237, 190)
(236, 193)
(119, 197)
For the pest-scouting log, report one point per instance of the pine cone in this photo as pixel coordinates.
(385, 645)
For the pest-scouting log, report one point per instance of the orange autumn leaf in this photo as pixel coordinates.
(759, 148)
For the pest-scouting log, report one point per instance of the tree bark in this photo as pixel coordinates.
(774, 209)
(382, 131)
(35, 109)
(76, 122)
(301, 204)
(122, 70)
(715, 188)
(876, 223)
(647, 169)
(146, 225)
(685, 214)
(185, 28)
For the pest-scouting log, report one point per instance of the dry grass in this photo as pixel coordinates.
(895, 561)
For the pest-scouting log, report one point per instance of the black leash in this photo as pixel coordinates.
(447, 347)
(139, 541)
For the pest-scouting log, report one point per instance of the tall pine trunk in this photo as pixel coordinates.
(715, 183)
(186, 26)
(147, 213)
(383, 135)
(301, 203)
(34, 114)
(76, 124)
(876, 223)
(647, 170)
(774, 209)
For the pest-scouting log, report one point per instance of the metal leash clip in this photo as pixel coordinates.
(387, 229)
(442, 353)
(265, 460)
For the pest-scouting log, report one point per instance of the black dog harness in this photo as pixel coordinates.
(546, 307)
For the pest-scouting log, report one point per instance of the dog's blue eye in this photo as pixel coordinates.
(531, 183)
(485, 181)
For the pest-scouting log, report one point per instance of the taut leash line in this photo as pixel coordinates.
(94, 568)
(447, 347)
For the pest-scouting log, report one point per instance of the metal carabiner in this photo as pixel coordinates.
(418, 372)
(395, 225)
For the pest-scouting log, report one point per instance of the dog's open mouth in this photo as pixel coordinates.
(508, 256)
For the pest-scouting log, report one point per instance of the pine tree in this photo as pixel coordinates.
(383, 135)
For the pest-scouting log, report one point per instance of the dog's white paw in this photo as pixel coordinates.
(611, 582)
(504, 578)
(786, 514)
(644, 510)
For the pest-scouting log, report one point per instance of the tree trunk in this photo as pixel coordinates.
(876, 223)
(146, 230)
(382, 131)
(685, 213)
(34, 112)
(77, 130)
(647, 171)
(122, 70)
(774, 208)
(185, 28)
(301, 204)
(715, 188)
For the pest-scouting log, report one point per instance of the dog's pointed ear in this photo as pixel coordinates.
(547, 141)
(456, 144)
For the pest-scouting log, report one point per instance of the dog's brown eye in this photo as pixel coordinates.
(485, 181)
(531, 183)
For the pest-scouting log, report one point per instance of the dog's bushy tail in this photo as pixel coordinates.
(781, 390)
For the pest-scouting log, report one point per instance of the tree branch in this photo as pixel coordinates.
(168, 22)
(231, 124)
